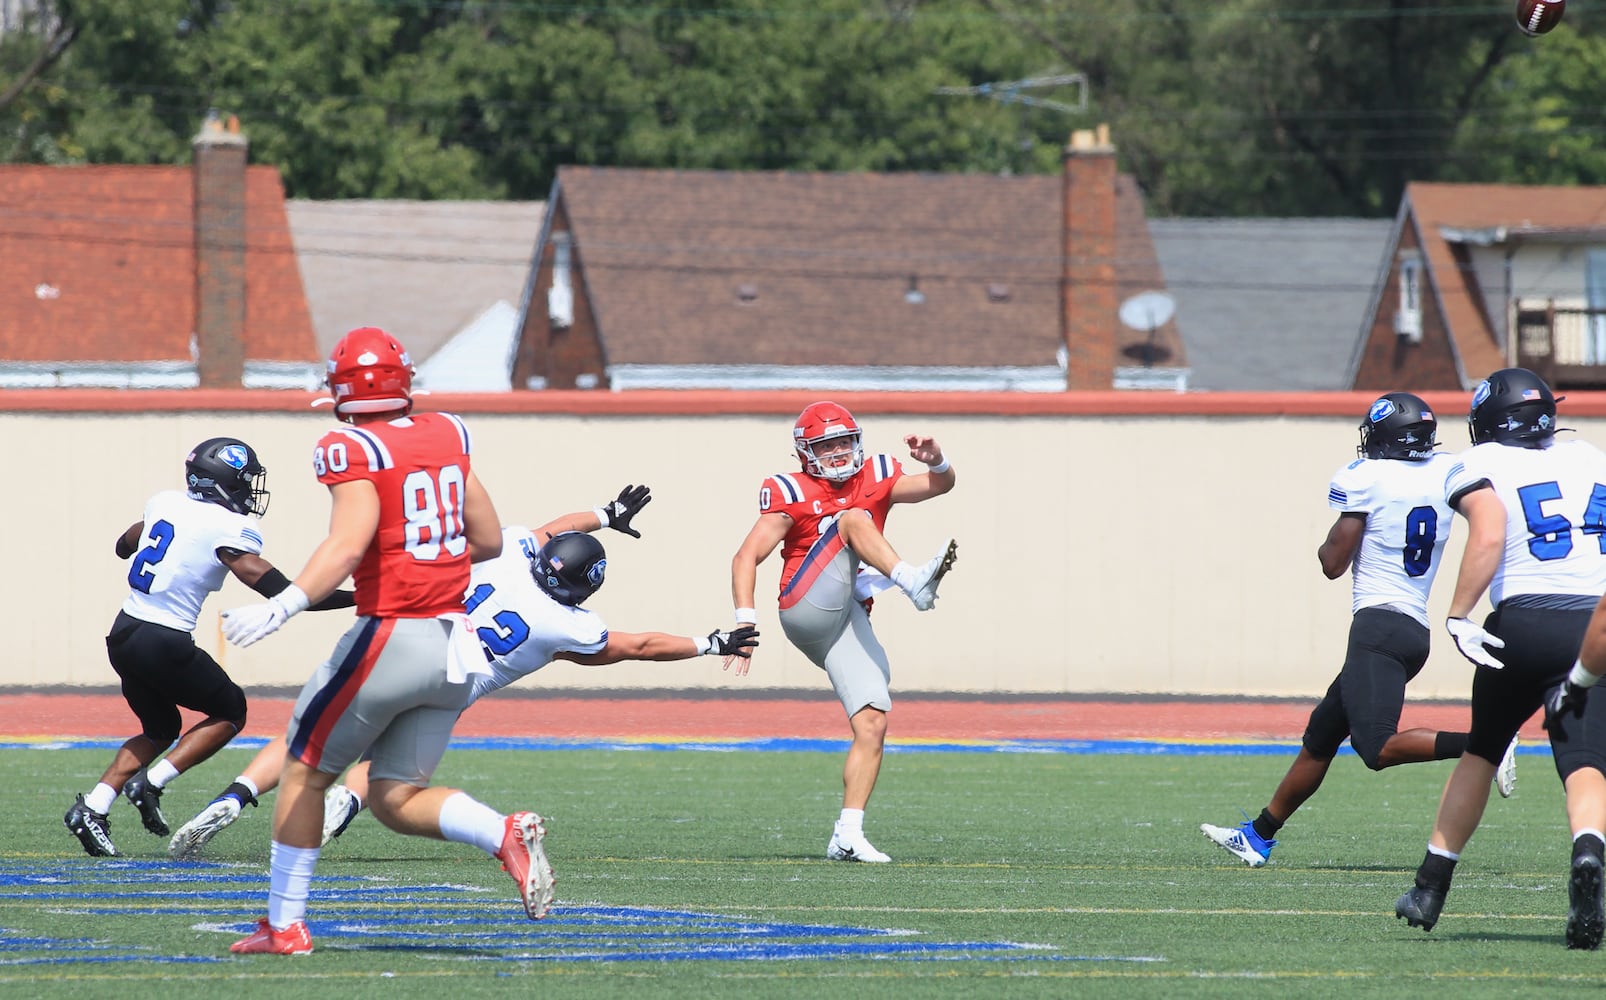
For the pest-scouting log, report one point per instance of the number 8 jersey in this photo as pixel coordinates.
(1407, 524)
(1555, 502)
(417, 565)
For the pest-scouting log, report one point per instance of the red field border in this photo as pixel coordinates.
(99, 715)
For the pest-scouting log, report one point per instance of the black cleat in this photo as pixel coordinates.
(92, 829)
(1420, 907)
(147, 798)
(1585, 920)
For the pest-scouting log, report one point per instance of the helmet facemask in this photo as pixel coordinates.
(837, 455)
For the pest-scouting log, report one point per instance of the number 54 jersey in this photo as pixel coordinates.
(1407, 525)
(1555, 501)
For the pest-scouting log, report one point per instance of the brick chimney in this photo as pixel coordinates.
(219, 168)
(1088, 289)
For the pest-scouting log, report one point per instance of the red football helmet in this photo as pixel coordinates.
(819, 424)
(370, 372)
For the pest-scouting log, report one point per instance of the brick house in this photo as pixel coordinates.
(758, 280)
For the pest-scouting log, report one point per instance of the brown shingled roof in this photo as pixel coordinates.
(1482, 206)
(97, 264)
(825, 261)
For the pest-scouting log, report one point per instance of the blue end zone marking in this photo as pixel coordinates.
(451, 922)
(1178, 748)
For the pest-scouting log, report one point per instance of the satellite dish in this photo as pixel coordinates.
(1148, 311)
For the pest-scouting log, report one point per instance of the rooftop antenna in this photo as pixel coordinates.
(1009, 92)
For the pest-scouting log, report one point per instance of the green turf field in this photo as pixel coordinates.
(700, 874)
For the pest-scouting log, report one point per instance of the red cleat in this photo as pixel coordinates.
(522, 857)
(293, 940)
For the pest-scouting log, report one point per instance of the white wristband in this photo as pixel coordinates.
(704, 647)
(293, 600)
(940, 467)
(1580, 676)
(602, 515)
(746, 616)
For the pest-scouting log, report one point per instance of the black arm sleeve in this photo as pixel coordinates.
(269, 584)
(335, 601)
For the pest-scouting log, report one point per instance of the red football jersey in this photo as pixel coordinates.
(417, 565)
(813, 505)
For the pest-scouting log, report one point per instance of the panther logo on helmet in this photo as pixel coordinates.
(225, 471)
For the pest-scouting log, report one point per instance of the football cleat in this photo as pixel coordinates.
(1241, 841)
(1505, 776)
(208, 823)
(293, 940)
(147, 798)
(92, 829)
(523, 858)
(852, 847)
(340, 807)
(924, 594)
(1585, 916)
(1420, 907)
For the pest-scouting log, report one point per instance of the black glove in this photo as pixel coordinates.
(628, 505)
(1568, 699)
(739, 641)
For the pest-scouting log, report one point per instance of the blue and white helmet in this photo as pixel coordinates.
(225, 471)
(570, 567)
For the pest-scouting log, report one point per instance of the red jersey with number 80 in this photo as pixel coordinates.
(417, 565)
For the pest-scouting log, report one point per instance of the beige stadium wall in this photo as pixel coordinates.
(1165, 550)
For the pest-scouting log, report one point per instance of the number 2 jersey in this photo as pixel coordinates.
(521, 628)
(417, 565)
(1555, 501)
(1407, 524)
(176, 567)
(814, 504)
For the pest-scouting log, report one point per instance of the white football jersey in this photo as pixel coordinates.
(522, 628)
(1407, 524)
(176, 566)
(1555, 515)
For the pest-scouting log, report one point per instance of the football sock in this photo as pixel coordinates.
(851, 821)
(463, 820)
(1266, 825)
(100, 799)
(289, 884)
(1438, 867)
(1588, 843)
(161, 773)
(1449, 746)
(903, 575)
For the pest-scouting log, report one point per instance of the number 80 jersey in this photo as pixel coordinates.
(417, 565)
(1407, 524)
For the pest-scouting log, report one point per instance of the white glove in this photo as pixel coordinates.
(244, 626)
(1474, 643)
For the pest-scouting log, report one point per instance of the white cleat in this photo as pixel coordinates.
(1505, 776)
(1241, 842)
(853, 847)
(208, 823)
(340, 807)
(924, 594)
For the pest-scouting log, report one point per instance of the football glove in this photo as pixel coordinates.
(1568, 699)
(616, 514)
(1474, 643)
(739, 641)
(245, 626)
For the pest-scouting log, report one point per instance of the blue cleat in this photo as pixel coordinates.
(1241, 841)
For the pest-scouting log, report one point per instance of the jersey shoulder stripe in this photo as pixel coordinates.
(462, 432)
(1336, 495)
(789, 486)
(252, 534)
(882, 466)
(379, 456)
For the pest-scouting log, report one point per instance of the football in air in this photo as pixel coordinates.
(1535, 17)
